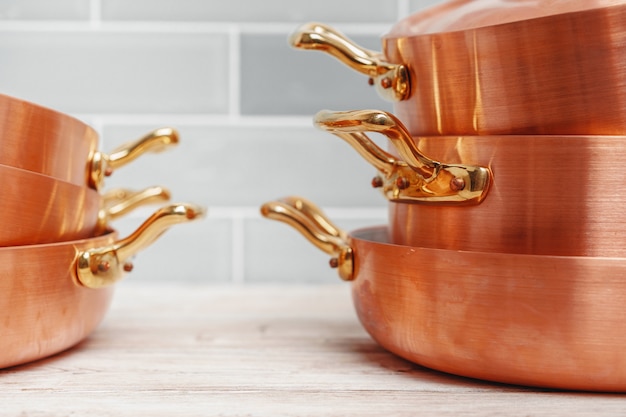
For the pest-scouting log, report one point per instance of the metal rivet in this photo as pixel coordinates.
(386, 82)
(402, 183)
(334, 263)
(370, 81)
(128, 267)
(377, 182)
(457, 184)
(104, 266)
(108, 172)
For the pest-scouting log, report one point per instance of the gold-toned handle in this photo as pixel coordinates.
(120, 201)
(101, 267)
(311, 222)
(102, 165)
(415, 177)
(391, 80)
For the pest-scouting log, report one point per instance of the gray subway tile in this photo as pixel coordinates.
(277, 79)
(418, 5)
(44, 10)
(246, 165)
(117, 72)
(250, 11)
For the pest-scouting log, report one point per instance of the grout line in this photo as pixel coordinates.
(404, 9)
(95, 13)
(234, 67)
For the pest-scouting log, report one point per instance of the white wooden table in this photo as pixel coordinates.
(172, 350)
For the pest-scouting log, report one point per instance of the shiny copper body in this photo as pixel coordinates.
(557, 74)
(550, 195)
(35, 208)
(42, 310)
(45, 141)
(544, 321)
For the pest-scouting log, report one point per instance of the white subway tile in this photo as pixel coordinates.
(277, 79)
(117, 72)
(246, 165)
(44, 10)
(417, 5)
(251, 11)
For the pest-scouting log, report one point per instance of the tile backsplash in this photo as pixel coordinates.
(223, 74)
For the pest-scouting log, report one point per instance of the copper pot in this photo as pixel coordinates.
(542, 195)
(548, 321)
(48, 142)
(40, 209)
(54, 295)
(473, 67)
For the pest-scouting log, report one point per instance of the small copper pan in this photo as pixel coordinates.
(541, 195)
(52, 296)
(474, 67)
(547, 321)
(51, 143)
(39, 209)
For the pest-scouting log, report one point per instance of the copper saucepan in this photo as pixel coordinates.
(548, 321)
(51, 143)
(542, 195)
(497, 67)
(54, 295)
(40, 209)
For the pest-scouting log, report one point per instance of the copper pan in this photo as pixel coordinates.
(473, 68)
(52, 296)
(548, 321)
(40, 209)
(542, 195)
(35, 138)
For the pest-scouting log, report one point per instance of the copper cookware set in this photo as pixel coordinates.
(59, 254)
(504, 258)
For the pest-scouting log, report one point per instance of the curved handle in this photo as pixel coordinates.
(101, 267)
(311, 222)
(415, 178)
(391, 80)
(103, 165)
(120, 201)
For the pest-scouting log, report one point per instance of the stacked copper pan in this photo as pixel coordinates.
(59, 252)
(505, 256)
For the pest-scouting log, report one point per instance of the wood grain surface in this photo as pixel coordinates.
(182, 350)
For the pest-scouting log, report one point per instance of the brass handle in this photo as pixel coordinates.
(391, 80)
(313, 224)
(414, 178)
(102, 165)
(101, 267)
(120, 201)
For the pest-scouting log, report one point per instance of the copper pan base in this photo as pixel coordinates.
(559, 74)
(550, 195)
(543, 321)
(42, 310)
(45, 141)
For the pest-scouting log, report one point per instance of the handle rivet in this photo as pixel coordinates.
(104, 266)
(334, 262)
(402, 183)
(377, 182)
(457, 184)
(370, 81)
(386, 83)
(128, 267)
(108, 172)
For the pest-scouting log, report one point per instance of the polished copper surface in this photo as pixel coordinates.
(558, 74)
(45, 141)
(549, 321)
(544, 321)
(35, 208)
(42, 311)
(550, 195)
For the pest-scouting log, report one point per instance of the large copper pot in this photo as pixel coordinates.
(484, 67)
(533, 194)
(52, 143)
(54, 295)
(549, 321)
